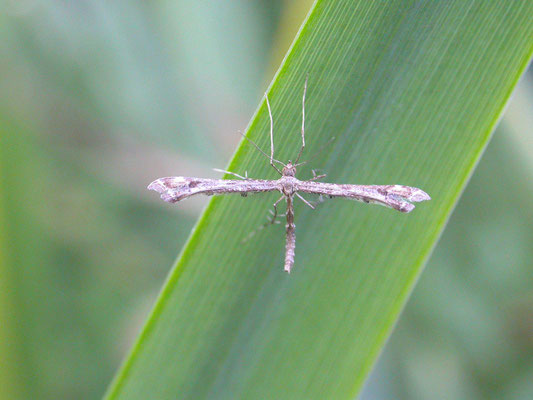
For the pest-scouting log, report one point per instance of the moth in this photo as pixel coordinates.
(397, 197)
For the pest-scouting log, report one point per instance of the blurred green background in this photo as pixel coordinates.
(98, 98)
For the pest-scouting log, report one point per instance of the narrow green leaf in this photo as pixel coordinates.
(411, 91)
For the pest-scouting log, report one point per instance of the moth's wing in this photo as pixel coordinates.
(398, 197)
(176, 188)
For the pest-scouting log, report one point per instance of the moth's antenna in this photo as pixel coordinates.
(272, 137)
(317, 153)
(303, 122)
(258, 148)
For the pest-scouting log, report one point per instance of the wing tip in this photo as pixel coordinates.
(415, 196)
(419, 195)
(161, 186)
(157, 186)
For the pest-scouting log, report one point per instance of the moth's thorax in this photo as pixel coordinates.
(288, 185)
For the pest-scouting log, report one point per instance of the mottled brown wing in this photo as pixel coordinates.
(176, 188)
(397, 197)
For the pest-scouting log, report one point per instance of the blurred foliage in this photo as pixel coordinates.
(88, 89)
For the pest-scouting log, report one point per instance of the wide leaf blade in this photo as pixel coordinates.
(411, 91)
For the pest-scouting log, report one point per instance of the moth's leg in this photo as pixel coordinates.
(305, 201)
(276, 210)
(276, 216)
(271, 220)
(310, 203)
(317, 177)
(303, 122)
(232, 173)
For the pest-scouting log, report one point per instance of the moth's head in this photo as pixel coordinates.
(289, 169)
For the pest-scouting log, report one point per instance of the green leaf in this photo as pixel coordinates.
(411, 91)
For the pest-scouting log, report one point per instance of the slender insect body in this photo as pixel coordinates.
(290, 239)
(398, 197)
